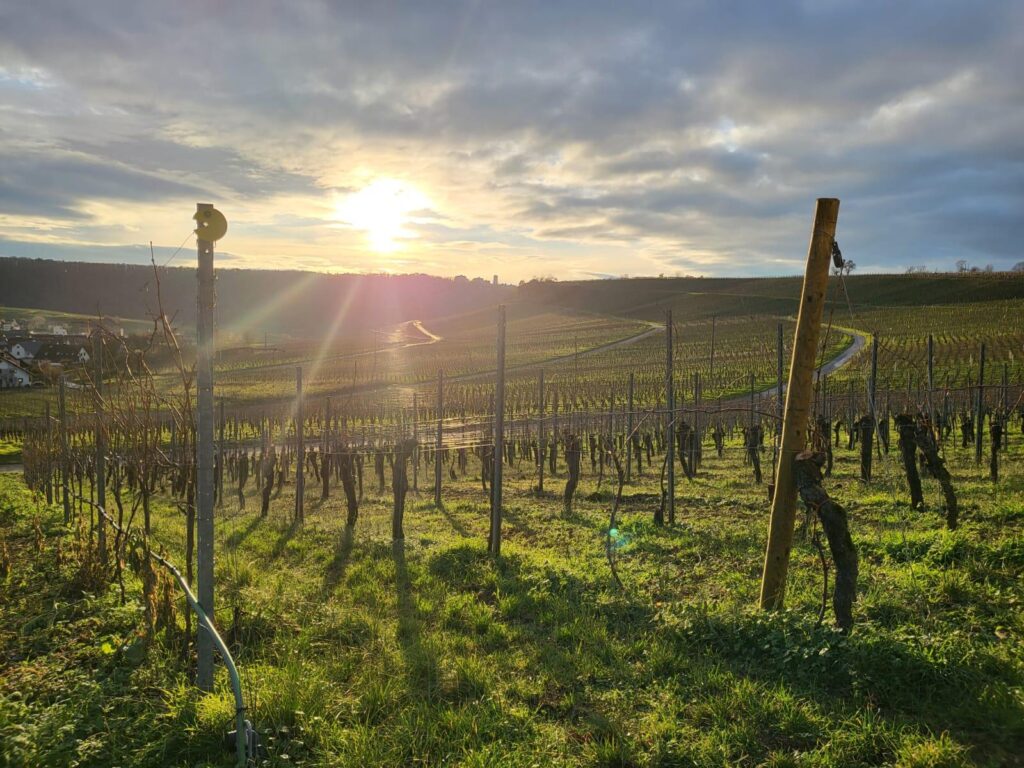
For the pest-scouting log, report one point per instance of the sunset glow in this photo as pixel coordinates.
(382, 210)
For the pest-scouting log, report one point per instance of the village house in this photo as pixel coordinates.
(25, 349)
(12, 372)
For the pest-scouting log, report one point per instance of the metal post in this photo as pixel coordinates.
(779, 369)
(325, 452)
(499, 440)
(101, 443)
(798, 402)
(300, 448)
(438, 443)
(49, 455)
(416, 440)
(752, 385)
(204, 451)
(541, 434)
(65, 467)
(629, 429)
(872, 394)
(220, 458)
(670, 427)
(711, 372)
(931, 379)
(980, 410)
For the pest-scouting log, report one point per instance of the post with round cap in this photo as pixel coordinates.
(796, 419)
(205, 478)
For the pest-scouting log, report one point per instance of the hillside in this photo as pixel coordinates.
(300, 303)
(693, 298)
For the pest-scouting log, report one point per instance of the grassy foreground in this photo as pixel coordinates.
(356, 652)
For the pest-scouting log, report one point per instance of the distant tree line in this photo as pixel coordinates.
(303, 302)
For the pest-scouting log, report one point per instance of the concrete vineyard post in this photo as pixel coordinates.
(798, 402)
(204, 448)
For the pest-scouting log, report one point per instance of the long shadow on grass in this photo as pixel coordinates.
(454, 522)
(282, 540)
(421, 667)
(971, 699)
(554, 618)
(236, 537)
(342, 555)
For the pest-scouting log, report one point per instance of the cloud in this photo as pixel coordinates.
(603, 137)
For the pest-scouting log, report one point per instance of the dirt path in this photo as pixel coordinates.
(833, 365)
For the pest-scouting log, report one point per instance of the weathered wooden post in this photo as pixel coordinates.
(439, 439)
(798, 403)
(494, 539)
(300, 449)
(670, 426)
(211, 227)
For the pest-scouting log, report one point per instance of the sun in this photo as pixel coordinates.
(381, 209)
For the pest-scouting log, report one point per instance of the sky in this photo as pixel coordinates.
(573, 139)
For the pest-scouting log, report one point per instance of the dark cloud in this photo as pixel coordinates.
(701, 132)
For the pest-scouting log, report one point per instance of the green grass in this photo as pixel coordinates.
(359, 653)
(10, 451)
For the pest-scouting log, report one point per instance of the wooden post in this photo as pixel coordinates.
(300, 449)
(439, 440)
(670, 428)
(101, 444)
(798, 403)
(494, 540)
(979, 414)
(65, 466)
(204, 450)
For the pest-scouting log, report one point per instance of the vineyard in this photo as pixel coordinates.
(380, 614)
